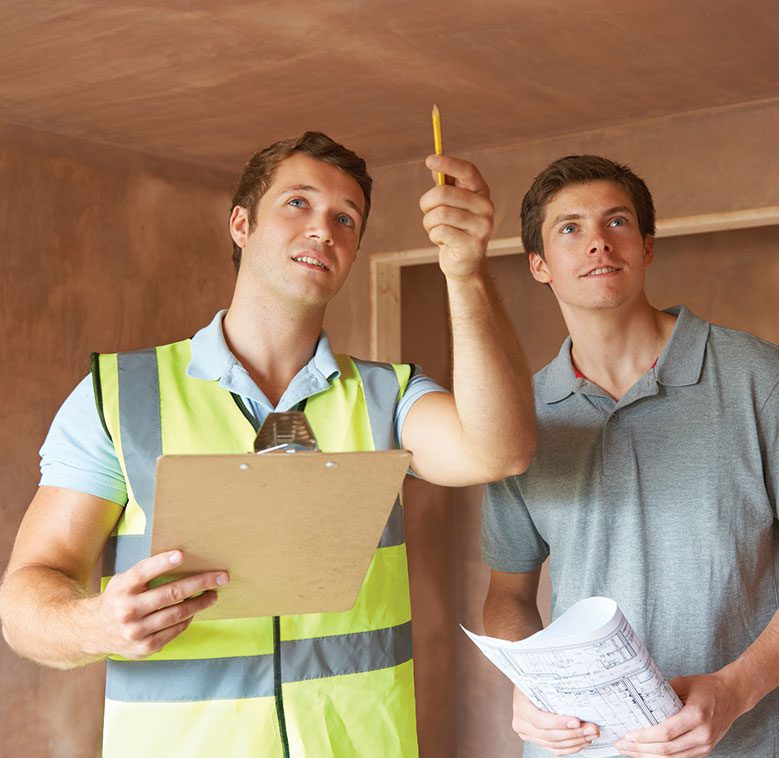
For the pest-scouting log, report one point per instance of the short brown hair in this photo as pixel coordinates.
(577, 169)
(260, 169)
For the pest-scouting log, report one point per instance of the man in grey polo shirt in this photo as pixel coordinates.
(655, 481)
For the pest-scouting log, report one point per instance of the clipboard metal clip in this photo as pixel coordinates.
(287, 432)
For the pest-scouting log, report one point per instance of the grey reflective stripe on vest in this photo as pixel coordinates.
(141, 434)
(393, 533)
(252, 676)
(381, 390)
(122, 553)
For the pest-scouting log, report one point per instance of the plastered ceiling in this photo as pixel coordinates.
(207, 83)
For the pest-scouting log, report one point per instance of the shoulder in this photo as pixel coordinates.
(172, 350)
(744, 343)
(743, 352)
(373, 371)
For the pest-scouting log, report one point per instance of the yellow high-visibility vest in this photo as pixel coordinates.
(329, 684)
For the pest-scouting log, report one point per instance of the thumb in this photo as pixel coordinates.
(681, 686)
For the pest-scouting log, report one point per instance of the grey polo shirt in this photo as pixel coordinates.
(665, 501)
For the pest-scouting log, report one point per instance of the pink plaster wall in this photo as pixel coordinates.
(730, 278)
(105, 250)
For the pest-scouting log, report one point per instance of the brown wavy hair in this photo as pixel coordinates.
(577, 169)
(261, 167)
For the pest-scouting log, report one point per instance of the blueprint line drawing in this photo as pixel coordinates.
(588, 663)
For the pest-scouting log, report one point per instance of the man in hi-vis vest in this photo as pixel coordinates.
(311, 685)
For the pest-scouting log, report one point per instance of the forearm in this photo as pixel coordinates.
(508, 618)
(755, 673)
(48, 617)
(492, 383)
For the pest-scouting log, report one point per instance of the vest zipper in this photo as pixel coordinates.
(249, 417)
(277, 686)
(277, 694)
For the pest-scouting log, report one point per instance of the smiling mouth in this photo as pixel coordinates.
(602, 270)
(310, 261)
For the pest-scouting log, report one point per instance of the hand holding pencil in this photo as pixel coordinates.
(458, 212)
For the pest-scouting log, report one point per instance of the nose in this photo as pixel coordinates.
(599, 243)
(321, 229)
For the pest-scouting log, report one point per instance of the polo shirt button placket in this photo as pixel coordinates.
(612, 419)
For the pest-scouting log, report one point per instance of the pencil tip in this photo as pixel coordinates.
(435, 109)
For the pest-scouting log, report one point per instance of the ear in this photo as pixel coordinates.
(538, 268)
(239, 226)
(649, 250)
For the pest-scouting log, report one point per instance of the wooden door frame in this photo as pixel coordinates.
(385, 268)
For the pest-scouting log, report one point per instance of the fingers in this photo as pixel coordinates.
(464, 173)
(479, 226)
(687, 718)
(153, 632)
(132, 585)
(177, 591)
(138, 621)
(687, 746)
(458, 218)
(557, 739)
(683, 735)
(455, 240)
(456, 197)
(470, 194)
(158, 640)
(144, 571)
(563, 735)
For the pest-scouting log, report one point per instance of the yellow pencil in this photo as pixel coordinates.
(438, 140)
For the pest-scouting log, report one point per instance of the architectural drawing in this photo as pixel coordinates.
(590, 664)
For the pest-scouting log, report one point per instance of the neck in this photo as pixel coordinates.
(615, 347)
(272, 339)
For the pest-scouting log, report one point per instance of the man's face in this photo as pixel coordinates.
(594, 254)
(306, 233)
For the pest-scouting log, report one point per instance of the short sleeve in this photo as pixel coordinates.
(510, 541)
(768, 420)
(418, 385)
(78, 454)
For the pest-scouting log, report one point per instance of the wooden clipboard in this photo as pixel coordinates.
(296, 531)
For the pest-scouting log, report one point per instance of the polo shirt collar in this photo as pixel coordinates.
(212, 360)
(560, 380)
(679, 364)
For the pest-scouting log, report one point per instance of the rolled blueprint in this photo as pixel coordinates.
(590, 664)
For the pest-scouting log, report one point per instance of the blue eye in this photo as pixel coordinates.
(567, 229)
(617, 222)
(297, 202)
(344, 219)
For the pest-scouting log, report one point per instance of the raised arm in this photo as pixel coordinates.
(511, 613)
(486, 430)
(47, 612)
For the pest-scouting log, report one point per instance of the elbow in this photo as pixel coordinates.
(506, 465)
(4, 613)
(516, 460)
(11, 635)
(526, 449)
(6, 627)
(523, 460)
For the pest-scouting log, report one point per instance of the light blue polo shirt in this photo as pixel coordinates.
(78, 454)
